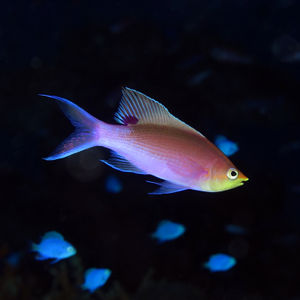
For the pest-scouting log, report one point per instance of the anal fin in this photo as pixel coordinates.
(167, 187)
(120, 163)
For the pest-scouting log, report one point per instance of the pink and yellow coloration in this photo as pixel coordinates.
(151, 141)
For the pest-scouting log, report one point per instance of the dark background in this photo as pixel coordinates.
(224, 67)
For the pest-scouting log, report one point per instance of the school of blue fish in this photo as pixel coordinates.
(54, 247)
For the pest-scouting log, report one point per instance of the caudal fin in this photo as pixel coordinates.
(86, 134)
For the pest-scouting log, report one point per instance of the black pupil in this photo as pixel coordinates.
(233, 173)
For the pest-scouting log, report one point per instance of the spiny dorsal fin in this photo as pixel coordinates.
(135, 107)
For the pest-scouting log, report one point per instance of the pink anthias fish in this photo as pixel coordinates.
(151, 141)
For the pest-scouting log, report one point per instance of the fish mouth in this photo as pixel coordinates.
(244, 180)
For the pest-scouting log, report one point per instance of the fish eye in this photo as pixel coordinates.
(69, 249)
(232, 173)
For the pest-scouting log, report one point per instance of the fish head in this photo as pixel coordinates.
(225, 176)
(103, 275)
(67, 251)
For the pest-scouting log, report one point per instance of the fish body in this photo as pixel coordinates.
(95, 278)
(53, 246)
(151, 141)
(168, 230)
(220, 263)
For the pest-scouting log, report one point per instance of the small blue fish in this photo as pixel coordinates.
(53, 246)
(113, 184)
(220, 262)
(95, 278)
(168, 230)
(226, 146)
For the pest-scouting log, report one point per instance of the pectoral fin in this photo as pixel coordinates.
(120, 163)
(55, 261)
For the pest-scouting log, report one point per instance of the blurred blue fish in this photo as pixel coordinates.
(168, 230)
(199, 77)
(95, 278)
(287, 49)
(13, 259)
(235, 229)
(53, 246)
(190, 62)
(226, 146)
(113, 184)
(220, 263)
(226, 55)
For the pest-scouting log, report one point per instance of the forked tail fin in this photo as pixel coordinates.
(86, 134)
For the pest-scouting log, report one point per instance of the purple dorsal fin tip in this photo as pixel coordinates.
(130, 120)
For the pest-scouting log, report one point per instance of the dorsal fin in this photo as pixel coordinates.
(137, 108)
(53, 235)
(164, 223)
(89, 271)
